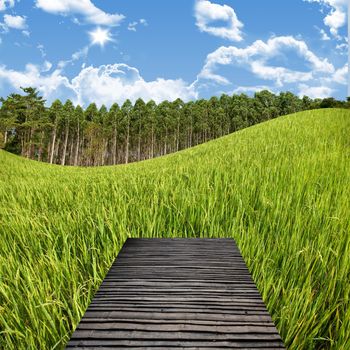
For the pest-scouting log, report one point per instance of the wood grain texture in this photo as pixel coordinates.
(177, 294)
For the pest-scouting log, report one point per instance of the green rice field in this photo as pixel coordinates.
(281, 189)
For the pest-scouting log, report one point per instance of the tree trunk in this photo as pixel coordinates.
(71, 153)
(115, 145)
(5, 137)
(40, 154)
(57, 149)
(63, 161)
(191, 134)
(80, 159)
(127, 144)
(23, 142)
(152, 142)
(29, 143)
(165, 144)
(53, 145)
(77, 146)
(139, 146)
(177, 136)
(105, 155)
(29, 149)
(104, 146)
(48, 152)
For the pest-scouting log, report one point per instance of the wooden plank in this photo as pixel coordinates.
(177, 294)
(159, 344)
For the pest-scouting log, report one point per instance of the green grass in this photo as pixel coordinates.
(281, 189)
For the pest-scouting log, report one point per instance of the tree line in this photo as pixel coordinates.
(71, 135)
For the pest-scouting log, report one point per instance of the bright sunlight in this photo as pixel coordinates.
(100, 36)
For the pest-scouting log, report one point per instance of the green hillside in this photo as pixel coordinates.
(281, 189)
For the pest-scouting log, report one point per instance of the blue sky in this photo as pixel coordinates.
(108, 51)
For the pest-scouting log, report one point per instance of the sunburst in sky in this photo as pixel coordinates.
(100, 36)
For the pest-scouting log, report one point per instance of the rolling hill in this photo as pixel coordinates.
(281, 189)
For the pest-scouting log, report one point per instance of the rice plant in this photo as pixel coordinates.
(281, 189)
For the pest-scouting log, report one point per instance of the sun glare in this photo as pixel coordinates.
(100, 36)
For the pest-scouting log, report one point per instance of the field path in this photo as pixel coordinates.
(177, 293)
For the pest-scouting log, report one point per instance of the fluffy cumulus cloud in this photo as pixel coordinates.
(315, 91)
(4, 4)
(336, 14)
(340, 76)
(37, 76)
(256, 58)
(104, 85)
(84, 8)
(117, 82)
(16, 22)
(207, 13)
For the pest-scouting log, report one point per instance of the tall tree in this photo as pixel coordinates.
(32, 107)
(163, 115)
(91, 134)
(115, 121)
(68, 110)
(79, 122)
(288, 103)
(55, 115)
(104, 133)
(139, 113)
(151, 124)
(266, 105)
(126, 115)
(177, 107)
(8, 118)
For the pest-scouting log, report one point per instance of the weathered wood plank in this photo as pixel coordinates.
(242, 315)
(126, 344)
(177, 293)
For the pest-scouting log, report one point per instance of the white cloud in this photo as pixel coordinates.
(132, 25)
(46, 66)
(143, 22)
(280, 75)
(324, 35)
(41, 48)
(340, 76)
(342, 48)
(256, 56)
(26, 33)
(104, 85)
(208, 13)
(117, 82)
(336, 16)
(315, 91)
(82, 53)
(4, 4)
(15, 22)
(85, 8)
(247, 89)
(50, 85)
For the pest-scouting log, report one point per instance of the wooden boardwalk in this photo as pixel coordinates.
(177, 294)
